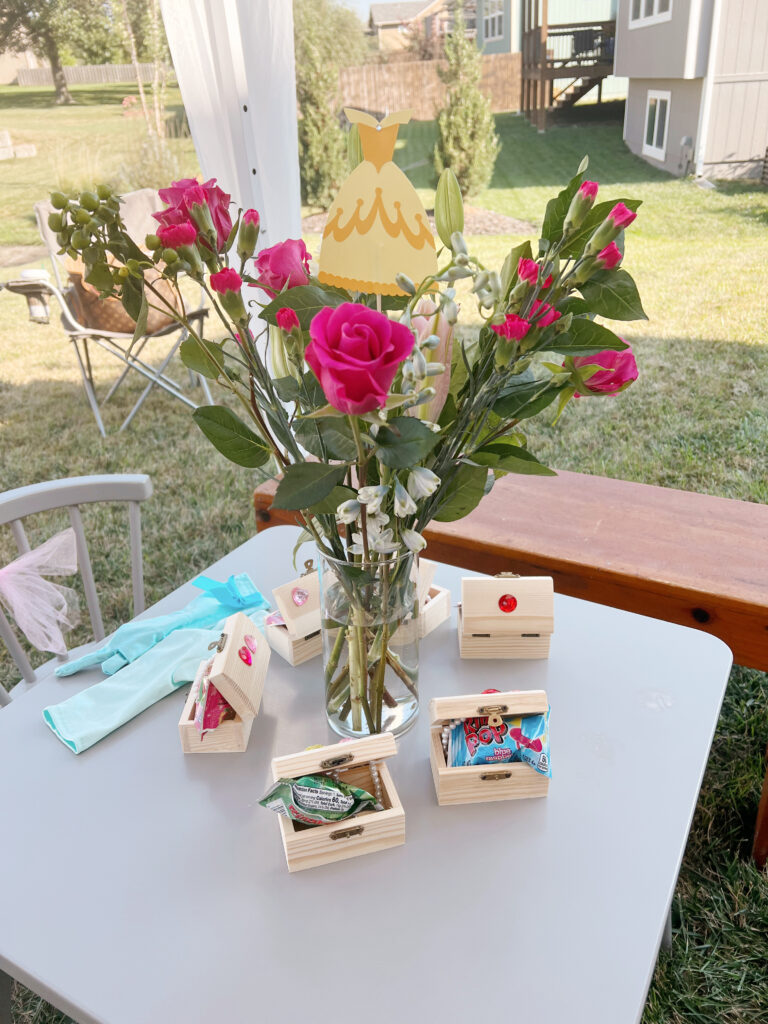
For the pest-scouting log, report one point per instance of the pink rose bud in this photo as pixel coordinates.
(227, 283)
(285, 265)
(176, 195)
(514, 327)
(544, 314)
(609, 257)
(175, 235)
(618, 370)
(581, 204)
(248, 235)
(355, 353)
(286, 319)
(619, 218)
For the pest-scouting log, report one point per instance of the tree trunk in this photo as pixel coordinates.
(63, 94)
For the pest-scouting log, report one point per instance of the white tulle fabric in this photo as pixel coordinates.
(42, 610)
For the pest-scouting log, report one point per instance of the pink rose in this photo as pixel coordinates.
(178, 201)
(609, 257)
(514, 327)
(618, 371)
(621, 216)
(354, 353)
(226, 280)
(544, 314)
(528, 270)
(588, 189)
(251, 217)
(285, 265)
(174, 235)
(286, 319)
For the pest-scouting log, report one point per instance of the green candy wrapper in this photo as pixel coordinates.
(317, 800)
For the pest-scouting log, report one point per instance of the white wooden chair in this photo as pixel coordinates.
(137, 213)
(70, 493)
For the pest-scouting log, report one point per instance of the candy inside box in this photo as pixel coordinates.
(480, 783)
(308, 846)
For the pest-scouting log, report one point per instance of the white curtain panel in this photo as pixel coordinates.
(235, 66)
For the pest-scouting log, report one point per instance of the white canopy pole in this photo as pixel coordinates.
(235, 66)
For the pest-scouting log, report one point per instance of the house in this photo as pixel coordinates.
(491, 22)
(11, 63)
(697, 99)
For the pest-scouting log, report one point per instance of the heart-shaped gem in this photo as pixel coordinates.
(250, 642)
(299, 596)
(245, 655)
(274, 619)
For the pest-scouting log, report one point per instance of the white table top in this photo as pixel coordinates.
(149, 887)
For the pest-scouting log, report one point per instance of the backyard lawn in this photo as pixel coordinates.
(696, 419)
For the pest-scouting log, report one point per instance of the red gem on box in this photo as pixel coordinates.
(507, 603)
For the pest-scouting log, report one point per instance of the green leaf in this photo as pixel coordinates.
(511, 458)
(557, 208)
(585, 338)
(141, 323)
(230, 436)
(100, 277)
(306, 301)
(575, 244)
(462, 494)
(449, 207)
(613, 293)
(288, 388)
(354, 147)
(330, 437)
(196, 357)
(304, 537)
(331, 502)
(132, 295)
(404, 442)
(306, 483)
(516, 395)
(573, 304)
(509, 269)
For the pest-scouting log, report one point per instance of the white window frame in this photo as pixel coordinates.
(493, 21)
(654, 151)
(649, 19)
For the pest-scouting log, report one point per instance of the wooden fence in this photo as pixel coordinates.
(417, 85)
(86, 74)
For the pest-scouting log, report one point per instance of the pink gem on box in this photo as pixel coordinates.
(299, 596)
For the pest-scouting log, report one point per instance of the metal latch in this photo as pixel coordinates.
(334, 762)
(347, 833)
(219, 644)
(494, 712)
(495, 776)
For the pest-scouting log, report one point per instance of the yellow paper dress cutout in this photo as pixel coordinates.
(376, 226)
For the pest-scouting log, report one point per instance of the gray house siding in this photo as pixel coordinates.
(736, 135)
(510, 40)
(682, 115)
(675, 48)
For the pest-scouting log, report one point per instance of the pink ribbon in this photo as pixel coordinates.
(42, 610)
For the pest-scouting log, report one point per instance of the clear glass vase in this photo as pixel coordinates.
(369, 618)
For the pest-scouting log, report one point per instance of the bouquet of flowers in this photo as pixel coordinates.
(376, 419)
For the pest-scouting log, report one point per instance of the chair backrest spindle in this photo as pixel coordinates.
(84, 565)
(137, 562)
(20, 536)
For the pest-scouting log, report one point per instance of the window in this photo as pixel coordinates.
(649, 12)
(656, 124)
(493, 20)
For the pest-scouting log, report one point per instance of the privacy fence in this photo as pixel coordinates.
(87, 74)
(417, 85)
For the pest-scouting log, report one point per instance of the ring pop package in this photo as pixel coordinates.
(501, 740)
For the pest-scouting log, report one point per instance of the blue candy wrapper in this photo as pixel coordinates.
(474, 741)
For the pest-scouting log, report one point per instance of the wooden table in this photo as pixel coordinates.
(149, 886)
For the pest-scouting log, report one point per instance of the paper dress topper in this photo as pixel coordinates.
(377, 226)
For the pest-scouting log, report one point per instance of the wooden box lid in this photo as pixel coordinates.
(299, 604)
(477, 705)
(335, 755)
(533, 607)
(239, 682)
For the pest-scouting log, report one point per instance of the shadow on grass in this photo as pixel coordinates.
(15, 96)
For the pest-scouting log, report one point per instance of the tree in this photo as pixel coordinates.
(327, 36)
(37, 26)
(467, 140)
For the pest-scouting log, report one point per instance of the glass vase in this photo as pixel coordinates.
(369, 619)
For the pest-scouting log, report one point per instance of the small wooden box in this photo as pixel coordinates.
(482, 783)
(298, 602)
(506, 617)
(366, 832)
(434, 606)
(230, 737)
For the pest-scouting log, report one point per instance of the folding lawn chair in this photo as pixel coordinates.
(137, 210)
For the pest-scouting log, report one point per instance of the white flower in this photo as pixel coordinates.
(422, 482)
(348, 511)
(372, 497)
(381, 541)
(379, 520)
(413, 540)
(404, 503)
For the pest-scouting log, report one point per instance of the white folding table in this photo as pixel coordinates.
(149, 887)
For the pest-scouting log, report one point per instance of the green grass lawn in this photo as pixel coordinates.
(697, 419)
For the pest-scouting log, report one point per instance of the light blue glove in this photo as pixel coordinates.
(89, 716)
(133, 639)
